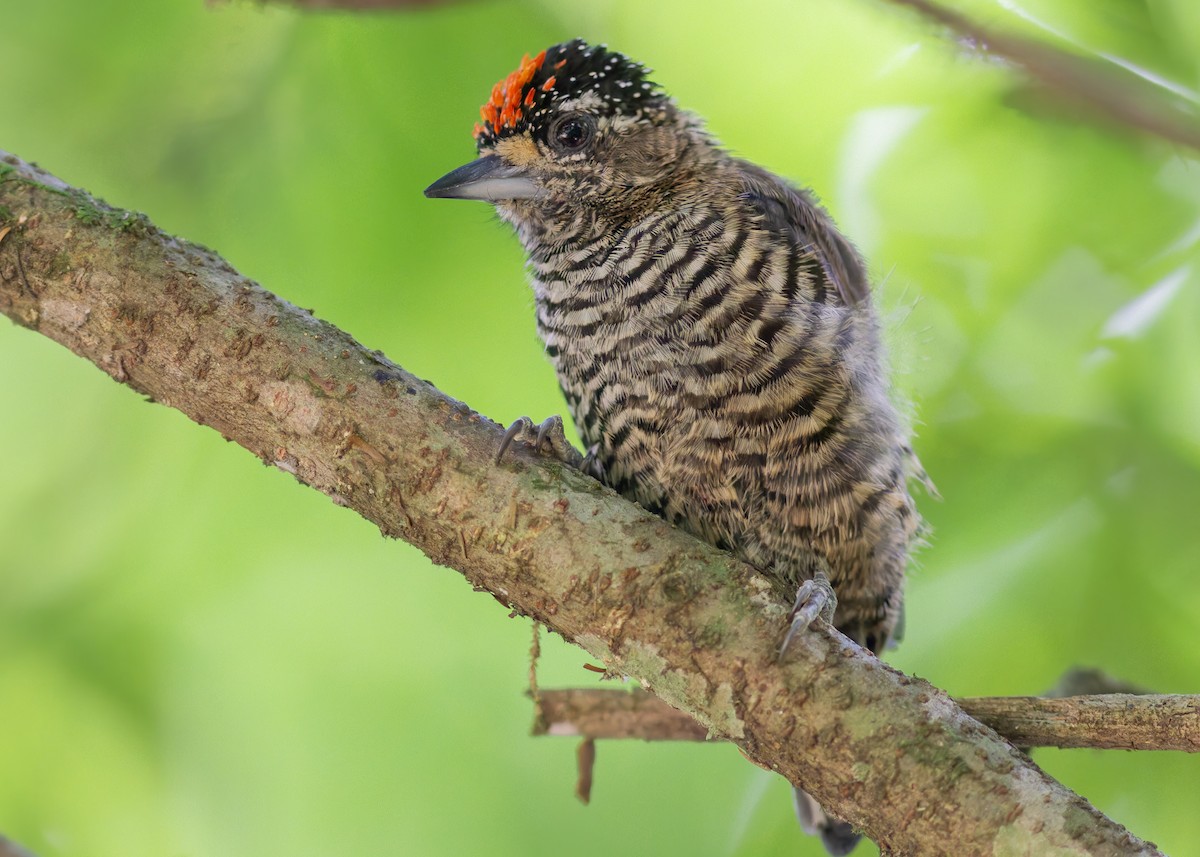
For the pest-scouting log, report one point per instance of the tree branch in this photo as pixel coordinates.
(891, 754)
(1105, 88)
(1107, 722)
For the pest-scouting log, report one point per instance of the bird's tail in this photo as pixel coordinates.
(837, 836)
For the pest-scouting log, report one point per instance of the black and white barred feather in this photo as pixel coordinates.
(712, 331)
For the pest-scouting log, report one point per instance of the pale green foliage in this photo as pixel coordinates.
(199, 657)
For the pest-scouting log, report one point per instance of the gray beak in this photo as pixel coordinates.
(488, 178)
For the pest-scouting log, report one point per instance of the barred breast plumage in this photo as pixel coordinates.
(727, 382)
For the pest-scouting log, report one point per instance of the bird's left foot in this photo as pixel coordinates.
(549, 435)
(814, 598)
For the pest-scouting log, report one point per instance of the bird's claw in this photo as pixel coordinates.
(591, 462)
(548, 434)
(814, 598)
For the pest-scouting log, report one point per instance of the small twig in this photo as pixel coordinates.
(613, 713)
(1117, 721)
(535, 652)
(1113, 721)
(585, 756)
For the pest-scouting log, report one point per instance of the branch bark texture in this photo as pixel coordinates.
(892, 754)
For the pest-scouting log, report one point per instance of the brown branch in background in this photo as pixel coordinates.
(8, 848)
(1105, 88)
(612, 713)
(889, 753)
(535, 652)
(1106, 722)
(585, 758)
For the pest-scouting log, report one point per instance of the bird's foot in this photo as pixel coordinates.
(591, 463)
(814, 598)
(549, 435)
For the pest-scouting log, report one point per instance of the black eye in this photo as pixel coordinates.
(571, 133)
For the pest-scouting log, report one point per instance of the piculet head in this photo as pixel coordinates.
(576, 123)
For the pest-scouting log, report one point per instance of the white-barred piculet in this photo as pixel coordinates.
(713, 333)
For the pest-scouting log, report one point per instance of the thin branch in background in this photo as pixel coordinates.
(1104, 722)
(1115, 721)
(8, 848)
(1104, 88)
(1107, 89)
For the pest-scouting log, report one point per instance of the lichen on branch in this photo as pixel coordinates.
(891, 754)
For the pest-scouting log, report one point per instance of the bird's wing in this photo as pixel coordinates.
(797, 217)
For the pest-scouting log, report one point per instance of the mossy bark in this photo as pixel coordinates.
(172, 320)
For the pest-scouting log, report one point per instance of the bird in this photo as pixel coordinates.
(714, 336)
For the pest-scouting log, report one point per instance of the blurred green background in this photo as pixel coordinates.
(199, 657)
